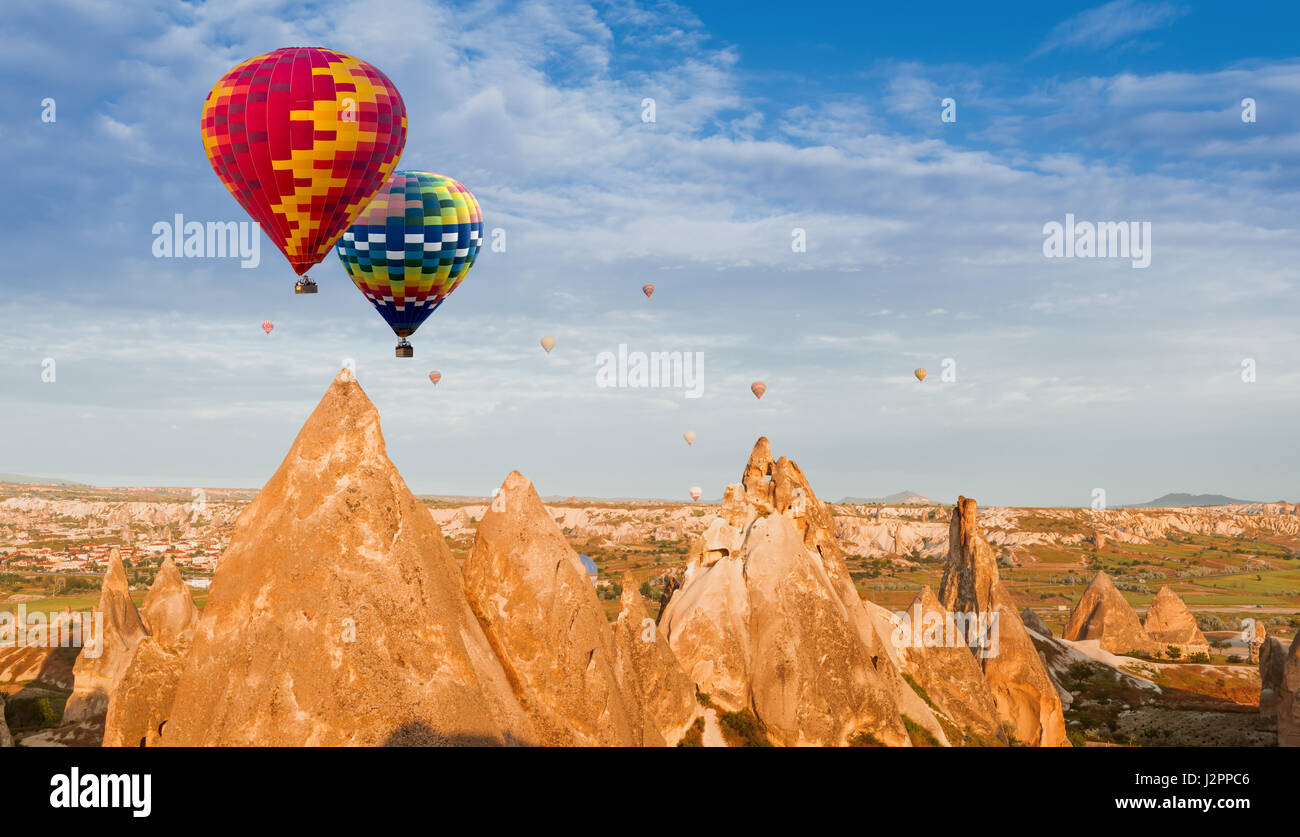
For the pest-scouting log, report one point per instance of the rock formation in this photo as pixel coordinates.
(336, 615)
(768, 619)
(1288, 698)
(1272, 668)
(1025, 694)
(648, 668)
(940, 662)
(543, 619)
(1169, 622)
(1034, 622)
(1103, 614)
(141, 705)
(1259, 634)
(6, 740)
(105, 657)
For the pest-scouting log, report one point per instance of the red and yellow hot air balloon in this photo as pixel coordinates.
(267, 325)
(303, 137)
(758, 388)
(920, 374)
(648, 290)
(435, 377)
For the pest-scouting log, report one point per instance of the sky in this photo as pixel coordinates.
(924, 246)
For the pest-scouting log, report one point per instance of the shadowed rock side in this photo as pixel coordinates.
(541, 614)
(1272, 668)
(1025, 694)
(1103, 614)
(942, 665)
(336, 615)
(1288, 698)
(648, 668)
(1169, 622)
(139, 708)
(6, 740)
(96, 677)
(767, 619)
(1034, 622)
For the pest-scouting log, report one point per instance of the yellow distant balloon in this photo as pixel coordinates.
(689, 436)
(920, 374)
(548, 343)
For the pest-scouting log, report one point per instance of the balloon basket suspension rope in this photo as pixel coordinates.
(405, 349)
(305, 286)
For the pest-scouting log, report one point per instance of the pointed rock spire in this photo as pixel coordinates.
(107, 652)
(649, 670)
(1026, 696)
(168, 610)
(336, 615)
(541, 614)
(1103, 614)
(140, 706)
(1169, 622)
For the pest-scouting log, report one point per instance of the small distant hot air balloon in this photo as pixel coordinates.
(548, 343)
(267, 325)
(696, 491)
(689, 436)
(758, 389)
(435, 377)
(920, 374)
(648, 290)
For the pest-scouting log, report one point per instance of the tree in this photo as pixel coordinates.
(1173, 651)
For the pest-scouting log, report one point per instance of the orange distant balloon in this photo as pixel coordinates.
(267, 325)
(648, 290)
(689, 436)
(548, 343)
(758, 389)
(920, 374)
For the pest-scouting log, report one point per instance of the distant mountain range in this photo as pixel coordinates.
(901, 498)
(21, 479)
(1175, 500)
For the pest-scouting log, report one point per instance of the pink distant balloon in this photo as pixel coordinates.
(267, 325)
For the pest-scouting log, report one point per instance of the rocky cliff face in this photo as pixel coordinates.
(1104, 615)
(1026, 697)
(648, 668)
(140, 706)
(100, 667)
(336, 616)
(541, 614)
(1169, 622)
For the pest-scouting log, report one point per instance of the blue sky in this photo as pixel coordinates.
(924, 242)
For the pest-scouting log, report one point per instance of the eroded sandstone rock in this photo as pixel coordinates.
(1169, 622)
(1103, 614)
(104, 660)
(541, 614)
(1025, 694)
(336, 615)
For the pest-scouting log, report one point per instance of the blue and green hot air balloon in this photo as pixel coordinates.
(411, 247)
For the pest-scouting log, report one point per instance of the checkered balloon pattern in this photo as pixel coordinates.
(413, 245)
(303, 137)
